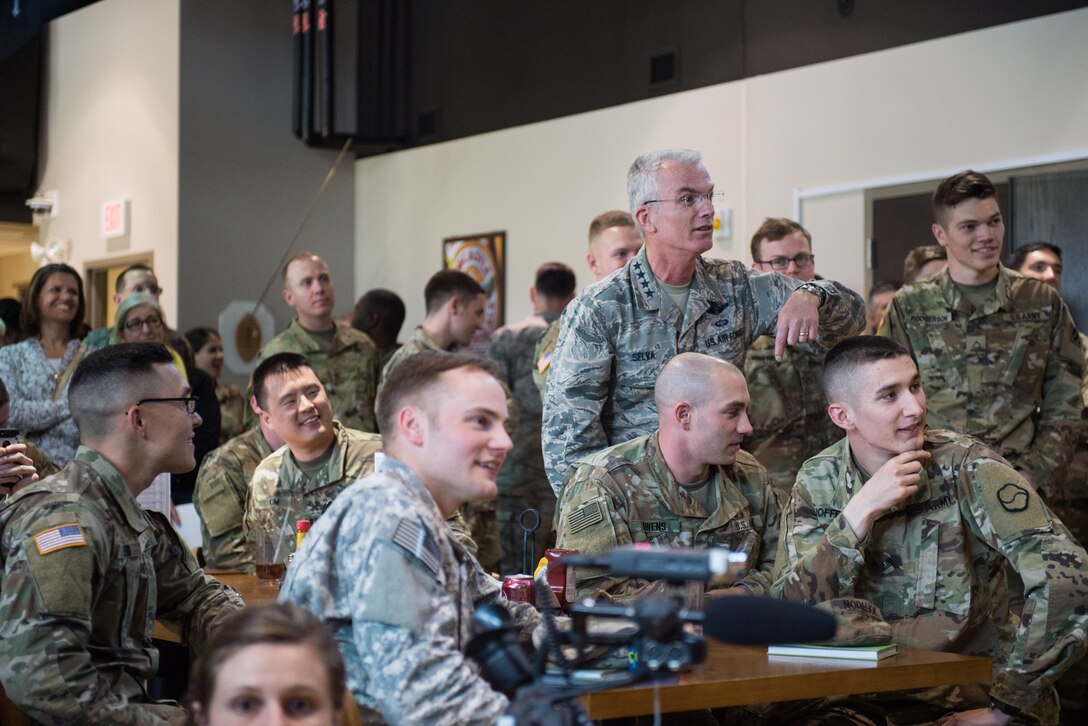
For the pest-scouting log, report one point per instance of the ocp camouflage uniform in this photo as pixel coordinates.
(619, 333)
(281, 493)
(348, 369)
(42, 463)
(232, 411)
(86, 572)
(935, 567)
(1009, 373)
(522, 481)
(626, 494)
(1070, 501)
(543, 355)
(418, 343)
(222, 486)
(478, 521)
(383, 571)
(788, 410)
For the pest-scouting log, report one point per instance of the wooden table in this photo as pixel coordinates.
(247, 586)
(739, 675)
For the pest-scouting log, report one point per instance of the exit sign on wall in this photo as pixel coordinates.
(115, 219)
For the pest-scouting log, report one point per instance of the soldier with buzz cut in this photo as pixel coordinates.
(922, 522)
(998, 352)
(222, 489)
(522, 481)
(381, 569)
(617, 335)
(687, 484)
(788, 412)
(346, 361)
(85, 571)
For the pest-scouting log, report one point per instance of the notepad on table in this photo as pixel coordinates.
(866, 652)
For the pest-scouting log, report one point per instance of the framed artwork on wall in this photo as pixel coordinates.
(482, 257)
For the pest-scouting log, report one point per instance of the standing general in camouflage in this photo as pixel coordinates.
(222, 488)
(381, 569)
(522, 481)
(618, 333)
(613, 240)
(320, 458)
(921, 522)
(688, 484)
(86, 571)
(788, 412)
(346, 361)
(998, 353)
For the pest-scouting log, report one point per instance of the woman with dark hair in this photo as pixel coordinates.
(208, 355)
(269, 664)
(37, 369)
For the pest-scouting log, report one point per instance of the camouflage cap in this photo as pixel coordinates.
(859, 622)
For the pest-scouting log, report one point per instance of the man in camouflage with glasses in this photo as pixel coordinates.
(85, 571)
(788, 412)
(618, 334)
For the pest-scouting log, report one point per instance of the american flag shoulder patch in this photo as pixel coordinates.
(60, 537)
(584, 516)
(545, 359)
(414, 538)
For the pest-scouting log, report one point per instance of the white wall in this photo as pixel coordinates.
(111, 129)
(977, 99)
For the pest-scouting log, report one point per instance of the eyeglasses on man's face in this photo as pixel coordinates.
(153, 322)
(802, 260)
(690, 200)
(189, 401)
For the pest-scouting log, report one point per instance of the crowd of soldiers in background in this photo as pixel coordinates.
(306, 427)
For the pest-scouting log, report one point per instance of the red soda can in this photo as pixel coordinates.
(519, 588)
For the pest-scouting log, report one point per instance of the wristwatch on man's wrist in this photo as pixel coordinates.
(1004, 707)
(815, 290)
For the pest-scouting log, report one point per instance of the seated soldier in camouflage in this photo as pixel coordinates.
(688, 484)
(382, 569)
(321, 456)
(86, 571)
(222, 489)
(921, 522)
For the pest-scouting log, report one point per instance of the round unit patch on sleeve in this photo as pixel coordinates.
(1011, 502)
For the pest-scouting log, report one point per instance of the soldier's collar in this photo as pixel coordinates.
(115, 484)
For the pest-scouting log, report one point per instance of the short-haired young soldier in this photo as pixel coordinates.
(922, 523)
(998, 353)
(86, 571)
(381, 568)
